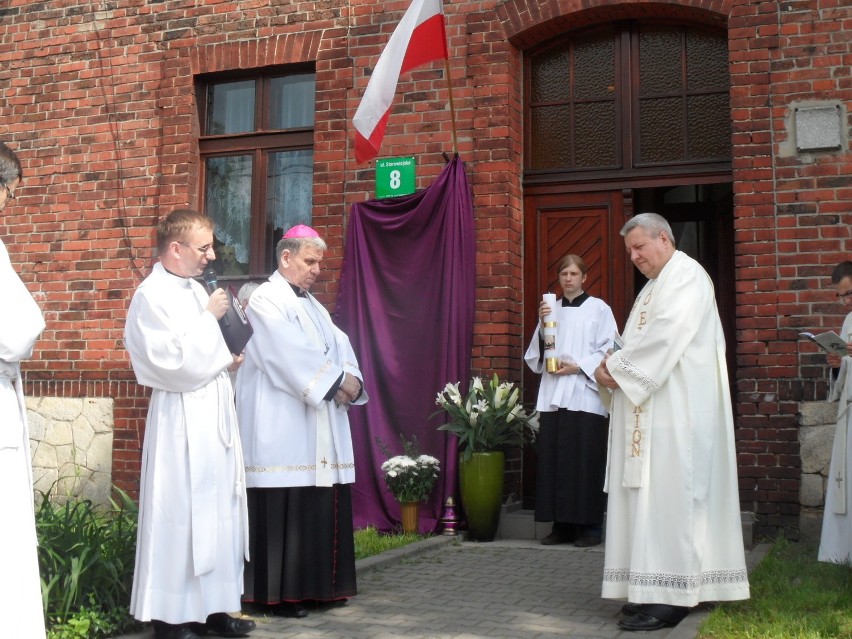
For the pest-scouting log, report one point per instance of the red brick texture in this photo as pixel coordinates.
(99, 101)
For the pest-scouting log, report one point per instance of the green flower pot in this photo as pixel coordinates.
(481, 485)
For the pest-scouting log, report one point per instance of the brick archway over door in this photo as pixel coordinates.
(529, 22)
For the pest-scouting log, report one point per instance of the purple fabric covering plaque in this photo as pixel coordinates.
(406, 300)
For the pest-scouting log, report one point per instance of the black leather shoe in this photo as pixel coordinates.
(587, 541)
(224, 625)
(642, 621)
(163, 630)
(293, 610)
(630, 609)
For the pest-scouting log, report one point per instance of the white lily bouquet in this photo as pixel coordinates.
(488, 418)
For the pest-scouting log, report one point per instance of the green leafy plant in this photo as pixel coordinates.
(411, 476)
(489, 417)
(86, 560)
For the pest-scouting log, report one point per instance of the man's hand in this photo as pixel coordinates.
(238, 361)
(603, 377)
(218, 303)
(349, 389)
(834, 360)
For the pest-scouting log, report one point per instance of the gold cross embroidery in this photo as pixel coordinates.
(324, 462)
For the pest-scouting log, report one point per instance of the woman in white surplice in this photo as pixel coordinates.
(836, 541)
(20, 326)
(572, 438)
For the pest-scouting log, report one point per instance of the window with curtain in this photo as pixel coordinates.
(256, 148)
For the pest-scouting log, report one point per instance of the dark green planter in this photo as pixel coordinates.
(481, 485)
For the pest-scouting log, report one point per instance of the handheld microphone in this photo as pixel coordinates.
(211, 281)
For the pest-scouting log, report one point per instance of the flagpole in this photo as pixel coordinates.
(452, 108)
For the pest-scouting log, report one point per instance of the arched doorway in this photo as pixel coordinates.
(619, 119)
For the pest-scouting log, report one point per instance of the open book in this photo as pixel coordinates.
(829, 341)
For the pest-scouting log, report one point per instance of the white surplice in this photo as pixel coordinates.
(673, 531)
(291, 435)
(583, 335)
(192, 502)
(836, 539)
(21, 323)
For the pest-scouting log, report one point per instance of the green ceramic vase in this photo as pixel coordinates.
(481, 485)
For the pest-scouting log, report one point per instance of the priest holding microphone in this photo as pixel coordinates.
(192, 534)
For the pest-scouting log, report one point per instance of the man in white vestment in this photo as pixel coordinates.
(835, 544)
(673, 531)
(571, 443)
(20, 325)
(192, 534)
(299, 379)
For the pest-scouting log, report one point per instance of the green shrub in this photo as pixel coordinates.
(86, 560)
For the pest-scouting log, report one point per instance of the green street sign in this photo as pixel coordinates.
(395, 176)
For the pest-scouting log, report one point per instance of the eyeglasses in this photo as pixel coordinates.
(9, 192)
(844, 295)
(201, 249)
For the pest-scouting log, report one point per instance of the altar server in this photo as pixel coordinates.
(299, 379)
(192, 503)
(673, 531)
(571, 443)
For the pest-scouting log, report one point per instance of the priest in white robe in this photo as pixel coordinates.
(192, 536)
(299, 379)
(572, 439)
(835, 544)
(673, 531)
(20, 325)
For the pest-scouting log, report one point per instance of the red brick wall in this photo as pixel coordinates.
(101, 108)
(792, 219)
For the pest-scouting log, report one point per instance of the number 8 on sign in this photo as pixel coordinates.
(395, 176)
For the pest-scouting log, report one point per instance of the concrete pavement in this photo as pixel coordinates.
(445, 588)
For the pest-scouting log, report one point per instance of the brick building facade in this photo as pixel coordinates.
(101, 102)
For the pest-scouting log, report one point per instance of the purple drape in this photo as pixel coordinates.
(406, 300)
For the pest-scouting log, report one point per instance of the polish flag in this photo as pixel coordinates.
(420, 38)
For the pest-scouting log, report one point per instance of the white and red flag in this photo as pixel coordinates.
(419, 38)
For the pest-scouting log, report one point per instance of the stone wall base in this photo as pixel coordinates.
(71, 445)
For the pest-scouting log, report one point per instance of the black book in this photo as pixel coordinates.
(235, 325)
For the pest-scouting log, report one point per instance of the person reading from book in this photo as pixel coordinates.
(836, 537)
(193, 516)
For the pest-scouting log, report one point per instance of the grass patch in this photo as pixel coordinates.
(793, 596)
(369, 541)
